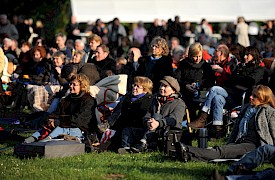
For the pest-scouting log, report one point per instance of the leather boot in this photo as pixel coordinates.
(199, 122)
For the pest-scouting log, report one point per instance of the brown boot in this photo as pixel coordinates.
(199, 122)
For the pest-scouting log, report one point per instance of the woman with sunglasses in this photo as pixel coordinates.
(254, 127)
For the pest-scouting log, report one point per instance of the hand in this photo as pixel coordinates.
(217, 68)
(190, 87)
(58, 70)
(152, 124)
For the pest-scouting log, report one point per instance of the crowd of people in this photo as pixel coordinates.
(166, 73)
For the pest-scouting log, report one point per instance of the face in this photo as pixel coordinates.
(248, 57)
(100, 54)
(77, 58)
(137, 89)
(254, 100)
(75, 87)
(78, 46)
(59, 41)
(94, 44)
(25, 48)
(197, 58)
(37, 56)
(217, 55)
(165, 90)
(57, 61)
(174, 43)
(156, 50)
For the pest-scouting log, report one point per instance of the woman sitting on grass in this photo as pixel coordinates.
(76, 111)
(254, 127)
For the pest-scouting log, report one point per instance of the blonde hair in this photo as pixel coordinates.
(264, 94)
(145, 82)
(83, 82)
(194, 49)
(95, 37)
(162, 43)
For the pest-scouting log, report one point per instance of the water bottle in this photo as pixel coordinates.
(203, 138)
(196, 93)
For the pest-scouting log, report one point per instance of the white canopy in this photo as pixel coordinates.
(192, 10)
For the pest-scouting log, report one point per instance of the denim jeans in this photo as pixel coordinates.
(253, 159)
(132, 136)
(214, 103)
(58, 130)
(265, 174)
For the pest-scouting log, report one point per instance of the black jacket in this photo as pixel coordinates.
(131, 113)
(81, 109)
(189, 72)
(155, 70)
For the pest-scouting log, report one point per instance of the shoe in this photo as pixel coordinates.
(124, 150)
(142, 147)
(29, 140)
(199, 122)
(46, 139)
(182, 152)
(241, 170)
(217, 175)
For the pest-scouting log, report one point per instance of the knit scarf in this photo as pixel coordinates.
(164, 99)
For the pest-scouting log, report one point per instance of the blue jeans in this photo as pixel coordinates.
(58, 130)
(265, 174)
(214, 103)
(132, 136)
(253, 159)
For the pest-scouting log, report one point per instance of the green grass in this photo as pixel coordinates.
(107, 165)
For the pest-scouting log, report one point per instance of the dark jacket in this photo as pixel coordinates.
(39, 72)
(108, 64)
(169, 114)
(155, 70)
(130, 113)
(251, 74)
(81, 109)
(265, 125)
(189, 72)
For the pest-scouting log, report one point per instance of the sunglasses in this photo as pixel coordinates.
(254, 96)
(138, 86)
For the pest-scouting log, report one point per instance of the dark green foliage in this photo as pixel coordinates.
(55, 14)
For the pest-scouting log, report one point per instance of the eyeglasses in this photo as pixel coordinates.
(74, 84)
(154, 46)
(138, 86)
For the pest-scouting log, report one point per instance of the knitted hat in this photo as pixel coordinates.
(172, 82)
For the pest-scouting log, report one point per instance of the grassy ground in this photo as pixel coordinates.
(107, 165)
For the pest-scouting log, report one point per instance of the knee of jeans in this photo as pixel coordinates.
(218, 99)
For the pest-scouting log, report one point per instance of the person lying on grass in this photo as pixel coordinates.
(254, 127)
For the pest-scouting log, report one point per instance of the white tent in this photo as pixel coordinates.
(191, 10)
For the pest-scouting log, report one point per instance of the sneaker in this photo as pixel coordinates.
(142, 147)
(46, 139)
(124, 150)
